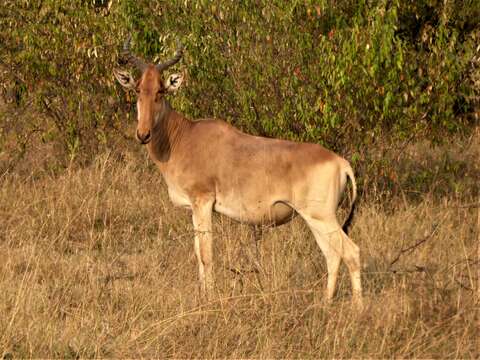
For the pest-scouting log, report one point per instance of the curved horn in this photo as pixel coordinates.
(139, 63)
(174, 60)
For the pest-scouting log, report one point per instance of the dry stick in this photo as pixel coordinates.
(257, 236)
(468, 206)
(478, 248)
(414, 246)
(462, 285)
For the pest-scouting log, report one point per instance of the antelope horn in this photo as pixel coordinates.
(174, 60)
(139, 63)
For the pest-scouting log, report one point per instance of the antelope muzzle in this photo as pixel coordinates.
(144, 137)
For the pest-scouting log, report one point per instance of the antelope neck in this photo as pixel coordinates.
(168, 130)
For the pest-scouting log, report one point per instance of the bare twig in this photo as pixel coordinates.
(468, 206)
(241, 272)
(411, 248)
(463, 261)
(462, 285)
(54, 114)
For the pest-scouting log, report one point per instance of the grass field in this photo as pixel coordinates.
(98, 263)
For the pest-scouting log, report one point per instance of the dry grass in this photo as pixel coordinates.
(97, 263)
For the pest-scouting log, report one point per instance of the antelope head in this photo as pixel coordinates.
(150, 88)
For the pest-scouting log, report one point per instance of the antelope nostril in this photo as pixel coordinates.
(144, 138)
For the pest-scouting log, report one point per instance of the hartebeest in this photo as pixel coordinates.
(208, 165)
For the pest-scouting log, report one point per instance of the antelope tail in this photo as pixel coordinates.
(347, 222)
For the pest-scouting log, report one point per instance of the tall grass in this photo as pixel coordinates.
(97, 263)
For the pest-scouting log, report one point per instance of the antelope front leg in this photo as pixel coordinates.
(202, 225)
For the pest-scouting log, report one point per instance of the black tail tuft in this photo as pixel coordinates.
(349, 219)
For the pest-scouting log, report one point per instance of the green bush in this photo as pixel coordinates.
(345, 74)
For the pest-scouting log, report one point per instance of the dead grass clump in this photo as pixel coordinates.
(97, 263)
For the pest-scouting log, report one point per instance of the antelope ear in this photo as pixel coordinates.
(125, 78)
(173, 82)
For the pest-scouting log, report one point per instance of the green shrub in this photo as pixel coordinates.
(346, 74)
